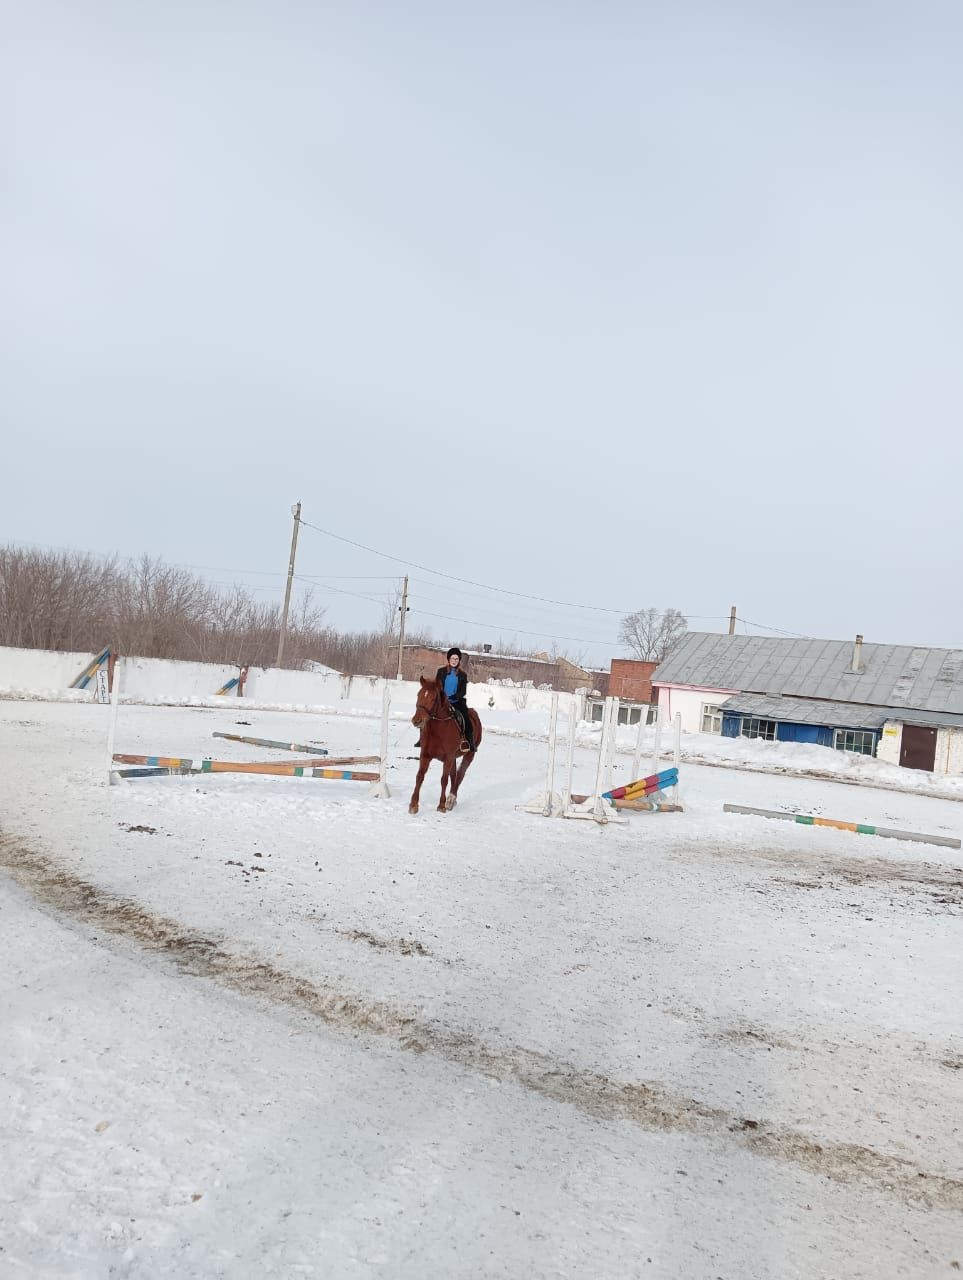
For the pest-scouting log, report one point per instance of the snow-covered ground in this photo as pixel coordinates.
(266, 1026)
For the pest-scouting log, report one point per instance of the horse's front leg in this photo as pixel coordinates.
(416, 794)
(447, 777)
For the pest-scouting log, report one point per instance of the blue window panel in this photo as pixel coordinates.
(819, 735)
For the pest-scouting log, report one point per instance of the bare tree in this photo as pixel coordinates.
(75, 602)
(651, 633)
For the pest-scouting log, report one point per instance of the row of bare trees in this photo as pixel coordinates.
(74, 602)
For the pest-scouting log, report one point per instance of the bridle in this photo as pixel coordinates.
(430, 714)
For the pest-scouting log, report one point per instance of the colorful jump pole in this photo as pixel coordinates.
(288, 769)
(179, 762)
(281, 746)
(271, 770)
(654, 782)
(148, 773)
(862, 828)
(647, 806)
(282, 768)
(90, 671)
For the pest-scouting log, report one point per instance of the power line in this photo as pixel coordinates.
(798, 635)
(358, 577)
(493, 622)
(485, 586)
(342, 591)
(543, 635)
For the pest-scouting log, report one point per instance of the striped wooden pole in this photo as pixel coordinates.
(647, 806)
(639, 793)
(279, 768)
(654, 782)
(174, 762)
(287, 769)
(162, 772)
(91, 669)
(862, 828)
(281, 746)
(159, 762)
(271, 770)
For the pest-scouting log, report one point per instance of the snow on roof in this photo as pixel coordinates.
(508, 657)
(900, 677)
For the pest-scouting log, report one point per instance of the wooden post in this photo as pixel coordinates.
(296, 511)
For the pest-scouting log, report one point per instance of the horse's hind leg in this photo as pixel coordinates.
(416, 794)
(456, 780)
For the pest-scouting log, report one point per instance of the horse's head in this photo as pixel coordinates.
(429, 698)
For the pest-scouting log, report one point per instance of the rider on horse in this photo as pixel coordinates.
(454, 682)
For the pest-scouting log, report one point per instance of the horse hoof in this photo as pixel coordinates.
(451, 802)
(443, 808)
(412, 808)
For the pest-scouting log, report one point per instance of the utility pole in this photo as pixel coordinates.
(732, 621)
(402, 610)
(296, 512)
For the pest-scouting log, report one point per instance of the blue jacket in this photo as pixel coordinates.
(462, 689)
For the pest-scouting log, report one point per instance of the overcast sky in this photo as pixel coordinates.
(613, 304)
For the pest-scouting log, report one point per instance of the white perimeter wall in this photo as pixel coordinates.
(689, 703)
(38, 673)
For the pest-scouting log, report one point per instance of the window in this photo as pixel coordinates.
(752, 727)
(629, 712)
(711, 718)
(861, 740)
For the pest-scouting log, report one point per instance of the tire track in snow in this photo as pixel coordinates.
(652, 1105)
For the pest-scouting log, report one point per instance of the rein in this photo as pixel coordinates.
(449, 716)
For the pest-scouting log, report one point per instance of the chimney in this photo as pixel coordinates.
(857, 654)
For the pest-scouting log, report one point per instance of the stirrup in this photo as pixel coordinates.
(464, 746)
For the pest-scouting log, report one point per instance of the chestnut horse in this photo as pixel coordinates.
(441, 739)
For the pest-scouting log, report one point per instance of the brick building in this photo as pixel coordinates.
(481, 666)
(631, 680)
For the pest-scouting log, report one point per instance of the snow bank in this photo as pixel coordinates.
(506, 709)
(32, 674)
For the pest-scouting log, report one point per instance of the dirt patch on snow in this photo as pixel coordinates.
(404, 946)
(650, 1104)
(925, 885)
(931, 884)
(755, 1036)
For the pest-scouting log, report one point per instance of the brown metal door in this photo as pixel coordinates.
(918, 747)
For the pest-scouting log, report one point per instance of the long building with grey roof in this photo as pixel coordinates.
(902, 703)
